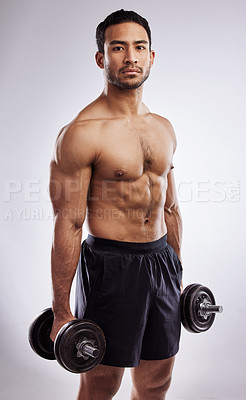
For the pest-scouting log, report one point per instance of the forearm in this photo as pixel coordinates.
(64, 260)
(174, 228)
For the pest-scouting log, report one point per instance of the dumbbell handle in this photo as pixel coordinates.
(210, 308)
(85, 350)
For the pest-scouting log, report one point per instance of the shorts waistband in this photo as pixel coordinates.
(117, 246)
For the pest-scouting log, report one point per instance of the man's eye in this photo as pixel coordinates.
(118, 48)
(141, 47)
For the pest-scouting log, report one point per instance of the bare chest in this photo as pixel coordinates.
(128, 154)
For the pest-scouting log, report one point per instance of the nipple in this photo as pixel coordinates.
(119, 172)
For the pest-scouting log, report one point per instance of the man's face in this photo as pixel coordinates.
(127, 59)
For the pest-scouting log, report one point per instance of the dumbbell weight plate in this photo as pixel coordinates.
(69, 336)
(191, 318)
(39, 335)
(183, 306)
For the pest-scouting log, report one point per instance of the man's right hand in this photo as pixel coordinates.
(58, 324)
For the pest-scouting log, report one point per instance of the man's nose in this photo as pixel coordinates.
(130, 57)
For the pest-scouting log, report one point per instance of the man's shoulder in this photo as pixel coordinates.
(77, 143)
(85, 125)
(76, 132)
(167, 127)
(162, 120)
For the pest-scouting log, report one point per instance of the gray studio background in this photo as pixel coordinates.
(48, 74)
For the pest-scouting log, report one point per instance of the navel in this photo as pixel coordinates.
(147, 217)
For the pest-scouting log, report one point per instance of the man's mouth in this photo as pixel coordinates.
(130, 71)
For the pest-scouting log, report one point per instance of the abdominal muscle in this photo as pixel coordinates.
(131, 211)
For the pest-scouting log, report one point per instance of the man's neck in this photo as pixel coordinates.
(123, 102)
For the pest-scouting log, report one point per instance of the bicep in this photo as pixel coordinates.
(171, 193)
(68, 193)
(70, 173)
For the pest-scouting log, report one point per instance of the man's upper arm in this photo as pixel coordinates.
(70, 173)
(171, 193)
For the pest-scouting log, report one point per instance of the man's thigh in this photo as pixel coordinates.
(100, 382)
(152, 375)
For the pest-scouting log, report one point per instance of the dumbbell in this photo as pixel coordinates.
(198, 308)
(79, 345)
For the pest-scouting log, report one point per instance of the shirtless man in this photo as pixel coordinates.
(113, 164)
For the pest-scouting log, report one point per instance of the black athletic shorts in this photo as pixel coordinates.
(132, 291)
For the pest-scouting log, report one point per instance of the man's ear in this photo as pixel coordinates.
(152, 57)
(99, 59)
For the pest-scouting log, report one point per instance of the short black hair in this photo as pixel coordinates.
(116, 18)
